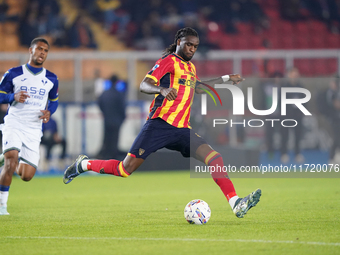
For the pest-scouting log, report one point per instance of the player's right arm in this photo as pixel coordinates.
(149, 86)
(7, 96)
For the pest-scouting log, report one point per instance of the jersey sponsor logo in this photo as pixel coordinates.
(181, 81)
(24, 79)
(191, 83)
(141, 151)
(33, 90)
(44, 82)
(155, 67)
(239, 101)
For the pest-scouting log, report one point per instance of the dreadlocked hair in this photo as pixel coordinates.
(180, 34)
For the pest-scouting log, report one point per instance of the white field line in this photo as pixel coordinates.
(170, 239)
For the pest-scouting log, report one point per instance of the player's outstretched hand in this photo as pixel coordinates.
(46, 116)
(21, 96)
(169, 93)
(236, 78)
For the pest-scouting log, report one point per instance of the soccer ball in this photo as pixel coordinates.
(197, 212)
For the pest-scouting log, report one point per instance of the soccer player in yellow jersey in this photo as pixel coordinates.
(173, 81)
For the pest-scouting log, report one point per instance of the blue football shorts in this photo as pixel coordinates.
(157, 134)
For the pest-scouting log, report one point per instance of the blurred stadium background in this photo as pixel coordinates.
(94, 39)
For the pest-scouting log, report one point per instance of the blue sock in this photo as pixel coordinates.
(4, 188)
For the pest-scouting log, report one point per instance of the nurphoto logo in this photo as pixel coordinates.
(239, 103)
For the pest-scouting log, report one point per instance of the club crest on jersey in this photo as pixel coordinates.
(141, 151)
(44, 82)
(154, 68)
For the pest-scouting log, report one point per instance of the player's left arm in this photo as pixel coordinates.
(234, 78)
(52, 102)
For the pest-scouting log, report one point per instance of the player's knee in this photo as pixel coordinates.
(26, 177)
(131, 164)
(26, 172)
(130, 169)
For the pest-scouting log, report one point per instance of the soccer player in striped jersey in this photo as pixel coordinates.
(173, 81)
(28, 90)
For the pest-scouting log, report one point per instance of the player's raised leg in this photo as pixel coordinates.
(114, 167)
(240, 206)
(132, 160)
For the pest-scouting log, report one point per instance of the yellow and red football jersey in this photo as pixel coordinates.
(172, 71)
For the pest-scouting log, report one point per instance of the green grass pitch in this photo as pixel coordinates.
(143, 214)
